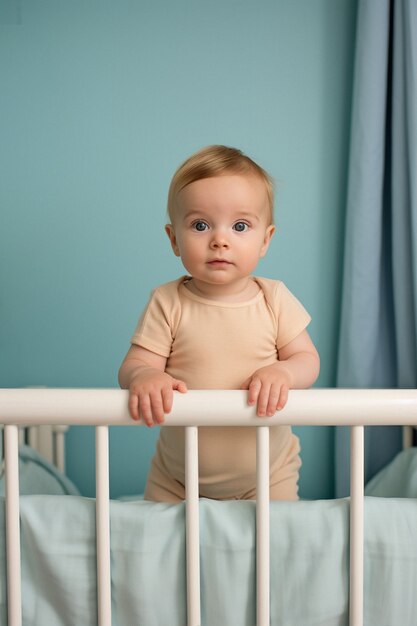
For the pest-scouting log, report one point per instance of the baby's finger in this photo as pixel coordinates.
(283, 397)
(179, 385)
(133, 406)
(145, 410)
(263, 399)
(167, 397)
(273, 400)
(157, 407)
(254, 389)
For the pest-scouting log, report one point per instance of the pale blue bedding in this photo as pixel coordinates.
(309, 562)
(37, 476)
(398, 479)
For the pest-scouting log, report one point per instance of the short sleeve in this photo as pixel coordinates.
(156, 326)
(292, 318)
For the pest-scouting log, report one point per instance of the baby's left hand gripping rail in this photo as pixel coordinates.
(103, 407)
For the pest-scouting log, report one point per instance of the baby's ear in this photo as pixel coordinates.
(267, 239)
(169, 229)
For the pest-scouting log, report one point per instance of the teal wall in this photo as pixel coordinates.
(100, 101)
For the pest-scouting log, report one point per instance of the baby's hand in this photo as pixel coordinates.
(151, 395)
(268, 388)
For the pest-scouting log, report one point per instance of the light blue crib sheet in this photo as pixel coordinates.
(309, 563)
(398, 479)
(37, 475)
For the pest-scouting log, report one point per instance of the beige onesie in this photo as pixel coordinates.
(217, 345)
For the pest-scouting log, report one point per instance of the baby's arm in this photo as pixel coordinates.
(297, 368)
(150, 387)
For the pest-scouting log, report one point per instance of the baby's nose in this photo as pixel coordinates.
(219, 239)
(219, 242)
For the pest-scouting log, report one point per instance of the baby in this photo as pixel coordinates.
(220, 327)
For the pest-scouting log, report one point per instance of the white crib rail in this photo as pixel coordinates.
(355, 408)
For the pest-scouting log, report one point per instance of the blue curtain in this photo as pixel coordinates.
(378, 333)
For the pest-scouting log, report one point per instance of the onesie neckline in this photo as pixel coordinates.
(219, 303)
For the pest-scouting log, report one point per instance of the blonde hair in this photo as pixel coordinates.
(217, 161)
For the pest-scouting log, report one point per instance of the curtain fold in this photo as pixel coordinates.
(378, 331)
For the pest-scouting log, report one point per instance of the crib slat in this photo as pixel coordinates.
(103, 526)
(14, 593)
(408, 432)
(262, 526)
(59, 447)
(356, 525)
(21, 437)
(192, 526)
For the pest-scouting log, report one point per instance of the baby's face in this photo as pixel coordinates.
(221, 229)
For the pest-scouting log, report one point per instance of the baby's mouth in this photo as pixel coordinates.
(219, 262)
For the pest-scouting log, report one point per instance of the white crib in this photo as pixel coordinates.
(101, 408)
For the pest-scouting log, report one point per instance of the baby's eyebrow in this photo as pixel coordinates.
(252, 216)
(193, 213)
(201, 214)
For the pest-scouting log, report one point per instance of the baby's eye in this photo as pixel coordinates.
(200, 226)
(240, 227)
